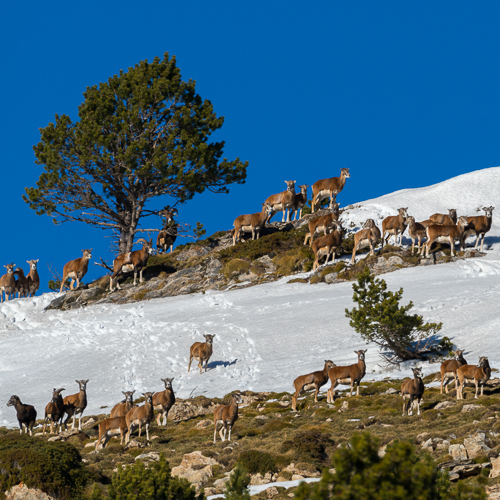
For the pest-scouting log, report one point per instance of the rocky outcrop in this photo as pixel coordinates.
(22, 492)
(196, 468)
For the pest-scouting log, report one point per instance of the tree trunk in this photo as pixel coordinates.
(126, 240)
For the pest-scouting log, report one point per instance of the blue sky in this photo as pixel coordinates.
(405, 94)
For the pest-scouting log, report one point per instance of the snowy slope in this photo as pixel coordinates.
(265, 335)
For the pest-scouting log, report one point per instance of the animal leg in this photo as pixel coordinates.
(141, 279)
(230, 428)
(147, 431)
(190, 359)
(165, 415)
(140, 428)
(215, 431)
(135, 277)
(171, 248)
(222, 434)
(482, 387)
(418, 406)
(80, 422)
(158, 418)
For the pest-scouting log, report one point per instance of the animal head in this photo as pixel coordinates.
(129, 396)
(147, 246)
(403, 212)
(361, 354)
(168, 213)
(458, 353)
(19, 271)
(10, 268)
(32, 264)
(463, 220)
(452, 212)
(417, 372)
(82, 384)
(237, 398)
(167, 382)
(87, 254)
(345, 172)
(488, 211)
(303, 188)
(410, 220)
(483, 361)
(148, 397)
(13, 401)
(369, 223)
(56, 395)
(290, 186)
(209, 338)
(267, 207)
(329, 364)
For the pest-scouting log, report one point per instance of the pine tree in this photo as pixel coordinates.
(152, 483)
(380, 319)
(360, 473)
(142, 134)
(237, 484)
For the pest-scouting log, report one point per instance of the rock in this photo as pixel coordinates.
(272, 492)
(56, 438)
(89, 423)
(211, 491)
(428, 445)
(458, 452)
(297, 477)
(92, 444)
(394, 260)
(467, 408)
(382, 451)
(193, 251)
(195, 458)
(495, 467)
(197, 477)
(22, 492)
(203, 424)
(476, 445)
(258, 479)
(149, 456)
(422, 437)
(444, 404)
(443, 445)
(284, 403)
(267, 262)
(331, 277)
(391, 391)
(261, 417)
(344, 407)
(493, 492)
(134, 444)
(220, 484)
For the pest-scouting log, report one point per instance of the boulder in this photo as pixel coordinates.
(22, 492)
(458, 452)
(467, 408)
(444, 404)
(272, 492)
(149, 456)
(394, 260)
(203, 424)
(495, 467)
(476, 445)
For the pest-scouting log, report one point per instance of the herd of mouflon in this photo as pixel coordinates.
(125, 416)
(438, 228)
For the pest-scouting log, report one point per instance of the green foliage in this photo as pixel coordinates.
(400, 475)
(199, 232)
(381, 320)
(142, 134)
(257, 462)
(152, 483)
(54, 285)
(54, 467)
(309, 446)
(237, 484)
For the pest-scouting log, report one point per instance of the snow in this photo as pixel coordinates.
(265, 335)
